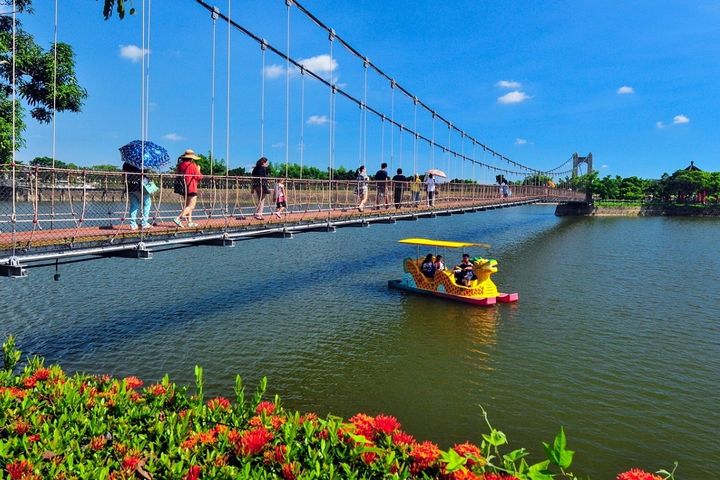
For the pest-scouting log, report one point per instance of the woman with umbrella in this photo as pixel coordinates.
(134, 185)
(137, 157)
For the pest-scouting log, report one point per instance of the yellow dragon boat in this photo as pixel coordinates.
(480, 290)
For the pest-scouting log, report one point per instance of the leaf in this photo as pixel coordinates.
(558, 454)
(453, 460)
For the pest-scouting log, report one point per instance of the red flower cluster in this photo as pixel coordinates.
(21, 427)
(202, 438)
(364, 425)
(637, 474)
(41, 374)
(20, 470)
(131, 463)
(290, 471)
(219, 403)
(424, 455)
(386, 424)
(268, 408)
(463, 474)
(14, 392)
(253, 441)
(133, 382)
(193, 473)
(401, 438)
(157, 390)
(276, 455)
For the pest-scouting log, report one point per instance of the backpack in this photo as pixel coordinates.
(179, 186)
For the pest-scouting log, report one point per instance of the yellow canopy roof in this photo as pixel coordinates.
(441, 243)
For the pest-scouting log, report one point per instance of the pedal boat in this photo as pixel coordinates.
(482, 290)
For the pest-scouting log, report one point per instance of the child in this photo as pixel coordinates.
(439, 264)
(280, 200)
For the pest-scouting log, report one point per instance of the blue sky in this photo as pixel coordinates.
(635, 83)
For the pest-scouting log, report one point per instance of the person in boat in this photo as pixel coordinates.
(427, 267)
(439, 263)
(464, 273)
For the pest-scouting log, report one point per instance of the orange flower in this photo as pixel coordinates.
(385, 424)
(363, 425)
(424, 455)
(133, 382)
(41, 374)
(637, 474)
(290, 471)
(463, 474)
(98, 443)
(14, 392)
(131, 463)
(471, 452)
(33, 438)
(308, 417)
(30, 382)
(157, 390)
(277, 422)
(498, 476)
(21, 427)
(219, 403)
(265, 407)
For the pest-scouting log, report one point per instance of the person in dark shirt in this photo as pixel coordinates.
(260, 185)
(398, 187)
(381, 177)
(464, 273)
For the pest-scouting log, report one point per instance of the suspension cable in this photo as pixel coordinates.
(287, 92)
(227, 109)
(263, 47)
(302, 118)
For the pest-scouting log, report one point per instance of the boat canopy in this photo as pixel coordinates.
(441, 243)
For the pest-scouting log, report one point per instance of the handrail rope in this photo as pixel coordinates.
(335, 89)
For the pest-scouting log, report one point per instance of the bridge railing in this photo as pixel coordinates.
(34, 198)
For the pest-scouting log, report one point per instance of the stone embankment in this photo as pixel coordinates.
(648, 210)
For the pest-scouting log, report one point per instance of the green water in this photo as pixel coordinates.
(615, 337)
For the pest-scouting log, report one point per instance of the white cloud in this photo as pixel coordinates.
(520, 141)
(604, 165)
(508, 84)
(133, 52)
(513, 97)
(274, 71)
(278, 145)
(317, 120)
(320, 64)
(625, 90)
(173, 137)
(677, 120)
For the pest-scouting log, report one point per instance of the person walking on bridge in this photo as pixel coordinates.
(191, 176)
(362, 179)
(381, 177)
(260, 184)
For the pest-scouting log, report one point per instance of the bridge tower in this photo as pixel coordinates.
(577, 160)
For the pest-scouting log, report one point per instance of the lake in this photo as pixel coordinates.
(615, 337)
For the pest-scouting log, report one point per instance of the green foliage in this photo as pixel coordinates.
(38, 82)
(86, 427)
(11, 355)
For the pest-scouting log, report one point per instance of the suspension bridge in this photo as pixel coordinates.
(51, 215)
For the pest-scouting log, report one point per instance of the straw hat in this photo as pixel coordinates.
(189, 154)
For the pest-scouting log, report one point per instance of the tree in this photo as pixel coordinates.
(39, 82)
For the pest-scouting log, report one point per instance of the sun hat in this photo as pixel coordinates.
(189, 154)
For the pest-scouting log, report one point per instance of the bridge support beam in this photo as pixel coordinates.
(384, 220)
(322, 228)
(444, 213)
(410, 218)
(13, 269)
(219, 242)
(140, 252)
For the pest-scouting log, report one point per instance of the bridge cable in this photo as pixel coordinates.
(263, 47)
(302, 119)
(287, 92)
(330, 83)
(227, 106)
(14, 136)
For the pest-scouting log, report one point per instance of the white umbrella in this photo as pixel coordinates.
(436, 173)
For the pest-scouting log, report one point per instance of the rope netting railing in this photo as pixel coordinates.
(45, 206)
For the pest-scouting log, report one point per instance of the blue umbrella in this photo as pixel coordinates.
(154, 155)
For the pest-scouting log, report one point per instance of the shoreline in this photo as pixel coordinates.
(638, 210)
